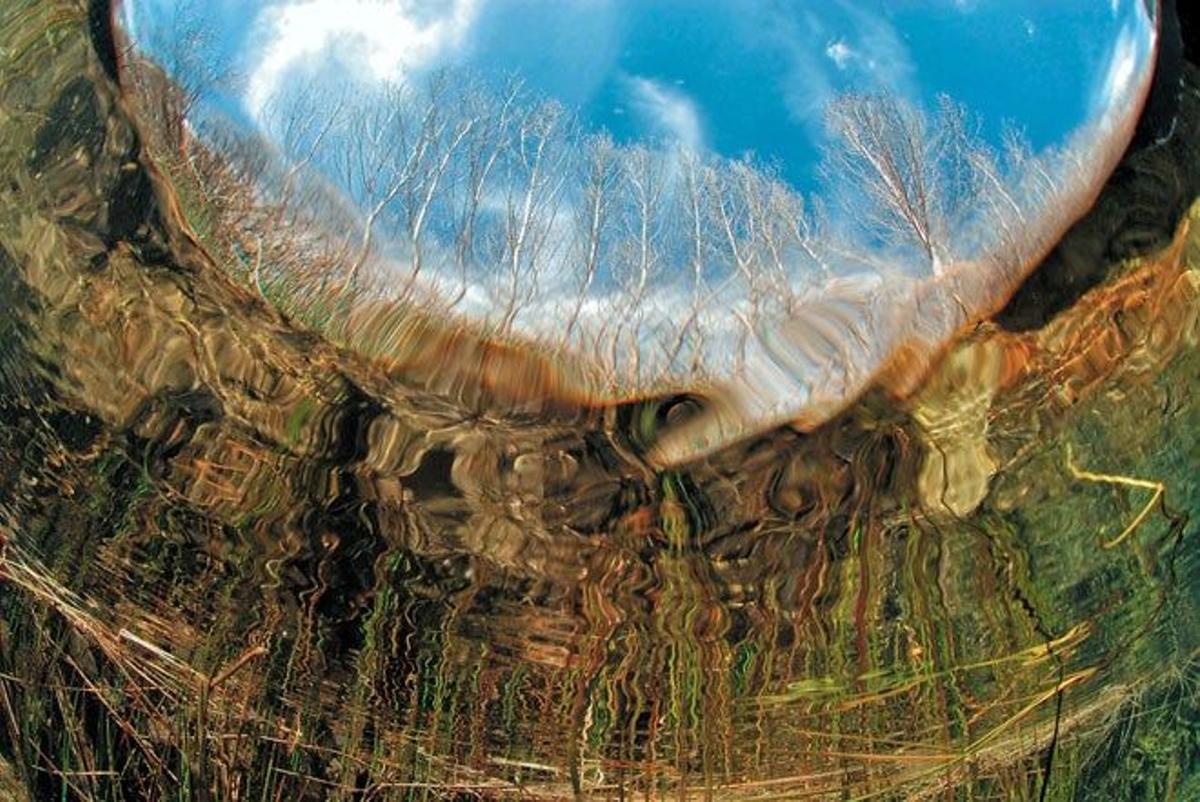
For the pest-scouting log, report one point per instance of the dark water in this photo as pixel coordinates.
(240, 562)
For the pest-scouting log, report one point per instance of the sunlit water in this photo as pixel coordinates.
(245, 562)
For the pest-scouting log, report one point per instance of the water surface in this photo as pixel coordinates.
(242, 559)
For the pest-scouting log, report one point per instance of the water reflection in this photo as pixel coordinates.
(759, 205)
(244, 560)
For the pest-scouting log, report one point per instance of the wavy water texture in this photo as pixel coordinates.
(242, 560)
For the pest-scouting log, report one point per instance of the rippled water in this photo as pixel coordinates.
(241, 562)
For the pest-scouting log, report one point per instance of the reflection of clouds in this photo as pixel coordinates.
(889, 63)
(1129, 54)
(387, 38)
(807, 84)
(839, 53)
(667, 110)
(827, 52)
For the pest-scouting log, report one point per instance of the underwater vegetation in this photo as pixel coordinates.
(295, 504)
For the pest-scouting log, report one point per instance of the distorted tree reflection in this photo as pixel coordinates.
(915, 180)
(493, 203)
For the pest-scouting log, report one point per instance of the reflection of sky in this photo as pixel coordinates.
(724, 75)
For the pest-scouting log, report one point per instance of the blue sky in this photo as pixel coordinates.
(726, 77)
(794, 322)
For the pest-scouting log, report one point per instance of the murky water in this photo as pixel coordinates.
(243, 562)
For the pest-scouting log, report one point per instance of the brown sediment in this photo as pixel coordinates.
(905, 369)
(451, 359)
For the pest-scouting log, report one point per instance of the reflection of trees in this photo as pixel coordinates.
(912, 178)
(490, 210)
(496, 203)
(182, 42)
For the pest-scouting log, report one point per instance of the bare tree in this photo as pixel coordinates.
(908, 179)
(483, 150)
(600, 177)
(696, 247)
(538, 160)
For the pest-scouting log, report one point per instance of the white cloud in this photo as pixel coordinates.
(1122, 69)
(667, 109)
(890, 64)
(841, 48)
(840, 53)
(391, 37)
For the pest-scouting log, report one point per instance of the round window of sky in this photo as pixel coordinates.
(761, 202)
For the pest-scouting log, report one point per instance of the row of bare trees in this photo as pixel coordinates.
(654, 259)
